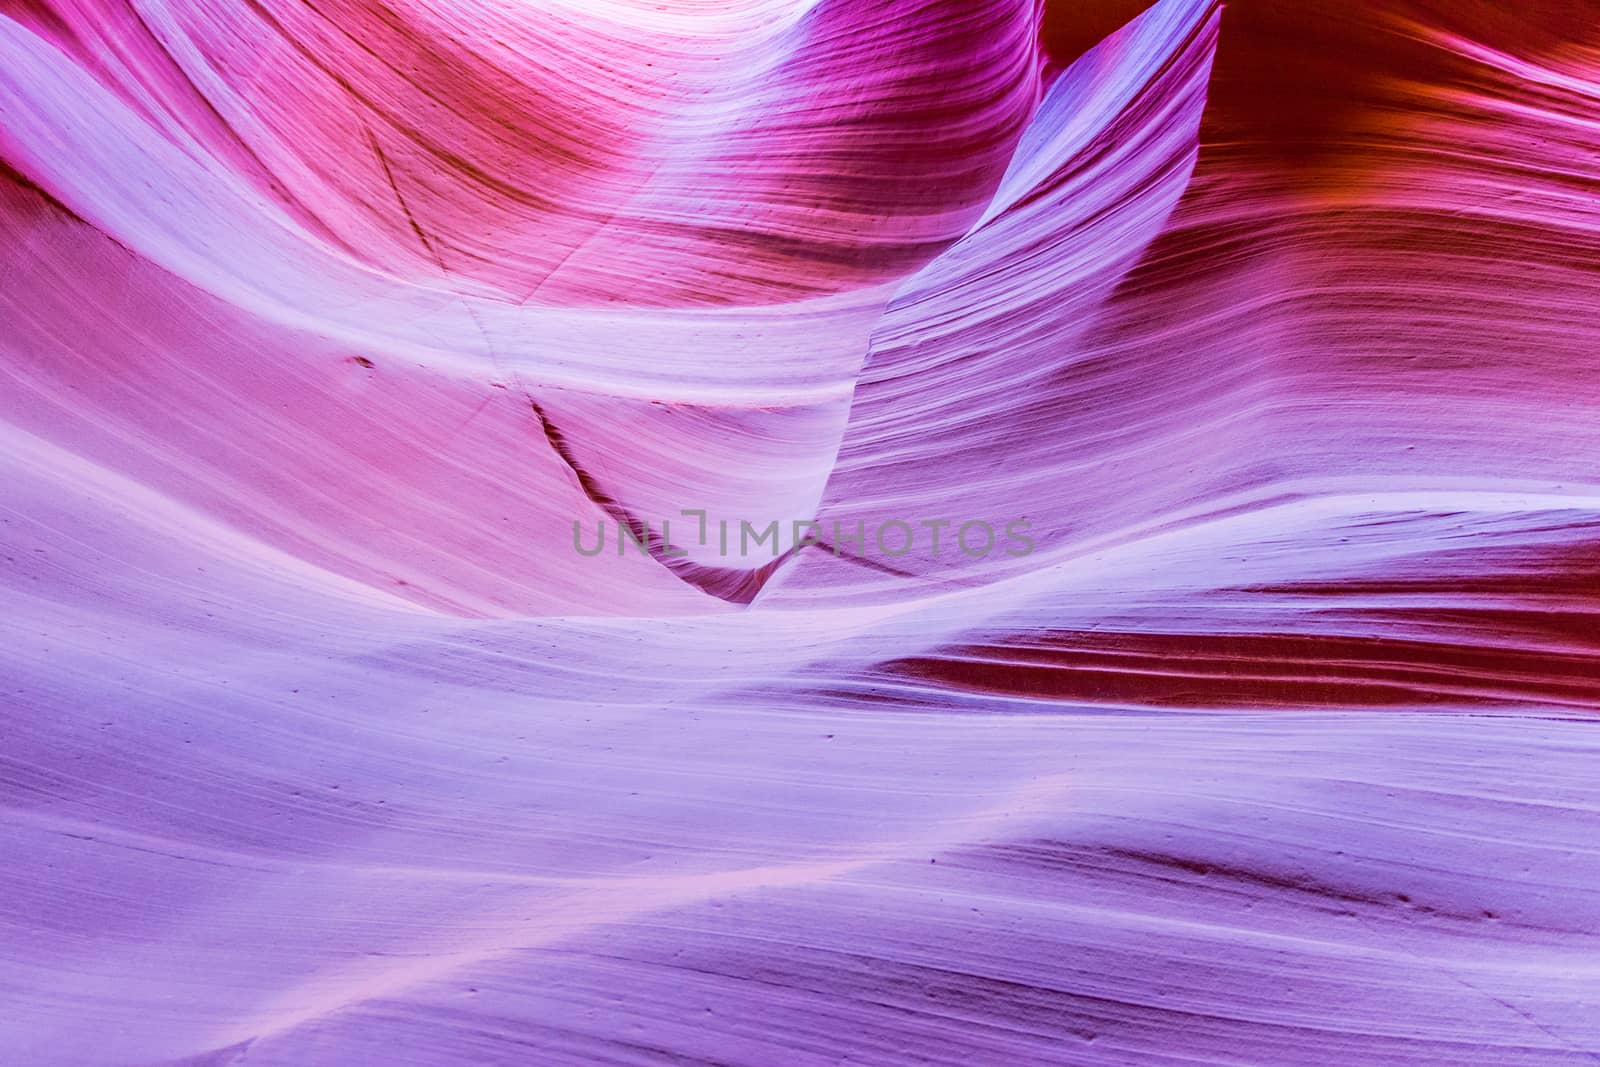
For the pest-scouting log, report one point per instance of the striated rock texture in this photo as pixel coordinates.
(1263, 341)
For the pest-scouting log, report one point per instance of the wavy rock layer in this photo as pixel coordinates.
(1274, 327)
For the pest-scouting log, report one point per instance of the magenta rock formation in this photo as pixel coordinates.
(1188, 651)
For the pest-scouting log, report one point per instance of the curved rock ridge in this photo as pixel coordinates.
(799, 532)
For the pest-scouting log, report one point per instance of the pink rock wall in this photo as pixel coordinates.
(331, 335)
